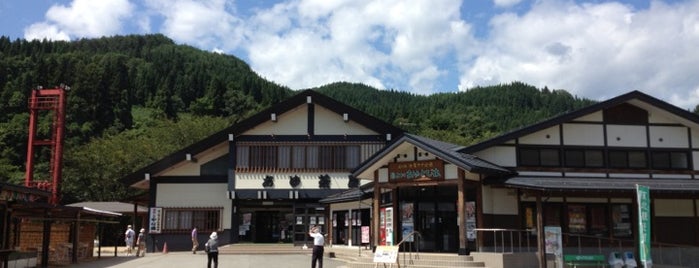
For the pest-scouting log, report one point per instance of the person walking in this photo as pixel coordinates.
(211, 248)
(318, 247)
(195, 240)
(128, 239)
(141, 243)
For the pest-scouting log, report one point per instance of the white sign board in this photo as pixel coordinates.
(386, 254)
(155, 222)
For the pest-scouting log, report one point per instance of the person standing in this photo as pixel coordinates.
(195, 240)
(141, 243)
(211, 248)
(318, 247)
(128, 239)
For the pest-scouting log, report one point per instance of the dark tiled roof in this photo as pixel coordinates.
(444, 150)
(581, 112)
(601, 184)
(118, 207)
(366, 191)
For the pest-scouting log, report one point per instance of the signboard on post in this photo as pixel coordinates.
(386, 254)
(643, 196)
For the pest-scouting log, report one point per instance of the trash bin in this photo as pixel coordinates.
(615, 260)
(629, 260)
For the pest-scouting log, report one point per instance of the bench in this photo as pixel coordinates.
(584, 261)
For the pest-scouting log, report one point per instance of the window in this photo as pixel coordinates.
(539, 157)
(627, 159)
(325, 157)
(584, 158)
(670, 160)
(183, 219)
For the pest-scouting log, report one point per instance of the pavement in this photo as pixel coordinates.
(187, 259)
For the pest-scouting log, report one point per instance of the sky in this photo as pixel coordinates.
(591, 48)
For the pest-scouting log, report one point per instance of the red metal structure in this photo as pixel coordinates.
(53, 101)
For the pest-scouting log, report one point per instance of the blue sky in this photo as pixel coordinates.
(593, 49)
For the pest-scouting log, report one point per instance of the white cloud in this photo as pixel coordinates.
(44, 30)
(386, 44)
(82, 18)
(506, 3)
(205, 24)
(593, 50)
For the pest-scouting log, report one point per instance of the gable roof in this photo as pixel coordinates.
(297, 100)
(446, 151)
(631, 96)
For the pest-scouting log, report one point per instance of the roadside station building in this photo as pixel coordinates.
(260, 180)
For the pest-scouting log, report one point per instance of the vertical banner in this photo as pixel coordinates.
(643, 196)
(471, 221)
(407, 221)
(554, 245)
(382, 227)
(389, 226)
(155, 222)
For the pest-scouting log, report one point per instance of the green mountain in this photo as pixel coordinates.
(137, 98)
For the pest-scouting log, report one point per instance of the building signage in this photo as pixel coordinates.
(643, 195)
(156, 216)
(417, 170)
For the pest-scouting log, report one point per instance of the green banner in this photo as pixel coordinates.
(643, 196)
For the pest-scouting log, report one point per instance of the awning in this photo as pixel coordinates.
(601, 184)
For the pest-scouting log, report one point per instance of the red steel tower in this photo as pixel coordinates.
(53, 101)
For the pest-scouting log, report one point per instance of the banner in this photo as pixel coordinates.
(155, 222)
(643, 196)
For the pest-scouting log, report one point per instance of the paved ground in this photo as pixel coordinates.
(187, 259)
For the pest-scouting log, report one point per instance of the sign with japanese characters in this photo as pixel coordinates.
(155, 222)
(416, 170)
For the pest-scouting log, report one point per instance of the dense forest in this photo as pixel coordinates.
(137, 98)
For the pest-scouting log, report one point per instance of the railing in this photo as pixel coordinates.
(506, 240)
(411, 246)
(525, 240)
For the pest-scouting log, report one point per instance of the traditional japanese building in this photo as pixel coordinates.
(260, 180)
(578, 171)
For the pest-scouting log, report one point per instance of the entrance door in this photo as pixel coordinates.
(435, 217)
(267, 226)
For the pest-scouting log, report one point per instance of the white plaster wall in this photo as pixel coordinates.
(183, 168)
(281, 180)
(629, 136)
(187, 168)
(630, 175)
(328, 122)
(695, 138)
(549, 136)
(505, 156)
(593, 117)
(499, 201)
(673, 207)
(583, 134)
(540, 173)
(656, 116)
(672, 137)
(200, 195)
(672, 176)
(293, 122)
(695, 159)
(450, 172)
(383, 175)
(586, 175)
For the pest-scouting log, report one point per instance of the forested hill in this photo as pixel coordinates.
(137, 98)
(463, 117)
